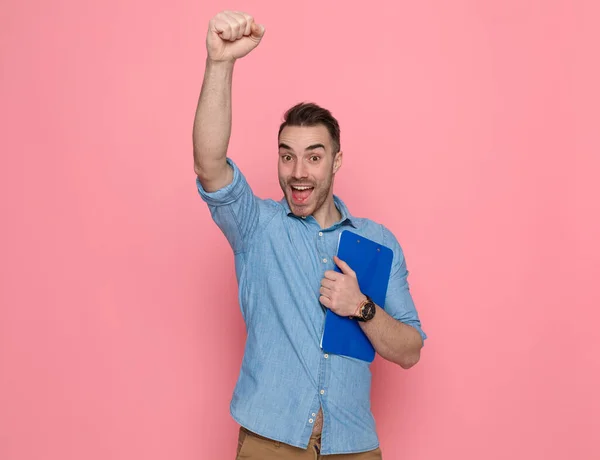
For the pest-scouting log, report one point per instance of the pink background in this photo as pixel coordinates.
(470, 129)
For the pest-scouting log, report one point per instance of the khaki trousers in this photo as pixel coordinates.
(254, 447)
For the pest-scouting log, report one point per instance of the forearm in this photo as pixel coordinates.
(212, 124)
(392, 339)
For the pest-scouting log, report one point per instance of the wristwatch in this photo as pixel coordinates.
(366, 310)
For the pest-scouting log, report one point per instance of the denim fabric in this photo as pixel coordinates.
(285, 377)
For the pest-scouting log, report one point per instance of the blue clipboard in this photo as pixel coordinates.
(372, 263)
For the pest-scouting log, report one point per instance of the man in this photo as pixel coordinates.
(292, 400)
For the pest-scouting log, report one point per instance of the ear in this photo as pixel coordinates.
(337, 161)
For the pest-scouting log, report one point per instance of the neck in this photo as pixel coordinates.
(327, 214)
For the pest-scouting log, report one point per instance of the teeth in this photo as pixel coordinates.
(301, 188)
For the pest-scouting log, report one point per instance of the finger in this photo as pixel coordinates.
(326, 292)
(222, 27)
(325, 301)
(346, 270)
(327, 283)
(249, 21)
(233, 24)
(331, 275)
(238, 22)
(258, 31)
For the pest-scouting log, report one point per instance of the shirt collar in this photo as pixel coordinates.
(347, 218)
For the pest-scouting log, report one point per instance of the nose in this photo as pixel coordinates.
(300, 171)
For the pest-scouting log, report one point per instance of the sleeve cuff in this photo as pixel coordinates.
(418, 328)
(227, 194)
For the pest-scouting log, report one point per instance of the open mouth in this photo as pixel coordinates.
(300, 193)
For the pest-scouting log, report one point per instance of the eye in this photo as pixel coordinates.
(315, 158)
(286, 157)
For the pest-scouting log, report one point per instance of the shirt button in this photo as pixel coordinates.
(326, 355)
(320, 233)
(310, 420)
(324, 261)
(313, 414)
(322, 392)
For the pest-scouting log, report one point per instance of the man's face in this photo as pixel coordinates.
(306, 167)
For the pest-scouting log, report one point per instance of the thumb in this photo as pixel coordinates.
(346, 270)
(257, 31)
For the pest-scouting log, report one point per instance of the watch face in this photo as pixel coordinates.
(368, 311)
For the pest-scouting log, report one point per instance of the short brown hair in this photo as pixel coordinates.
(310, 114)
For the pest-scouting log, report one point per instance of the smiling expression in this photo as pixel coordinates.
(306, 167)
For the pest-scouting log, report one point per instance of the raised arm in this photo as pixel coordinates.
(231, 35)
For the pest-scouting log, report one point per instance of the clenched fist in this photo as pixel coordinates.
(232, 35)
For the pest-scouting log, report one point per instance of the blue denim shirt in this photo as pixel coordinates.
(285, 377)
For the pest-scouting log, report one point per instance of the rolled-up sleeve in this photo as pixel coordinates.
(398, 301)
(234, 209)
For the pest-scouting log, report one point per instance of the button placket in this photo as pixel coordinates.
(324, 369)
(321, 247)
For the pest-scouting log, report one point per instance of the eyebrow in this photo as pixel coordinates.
(310, 147)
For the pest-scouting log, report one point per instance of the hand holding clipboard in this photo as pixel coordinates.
(372, 263)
